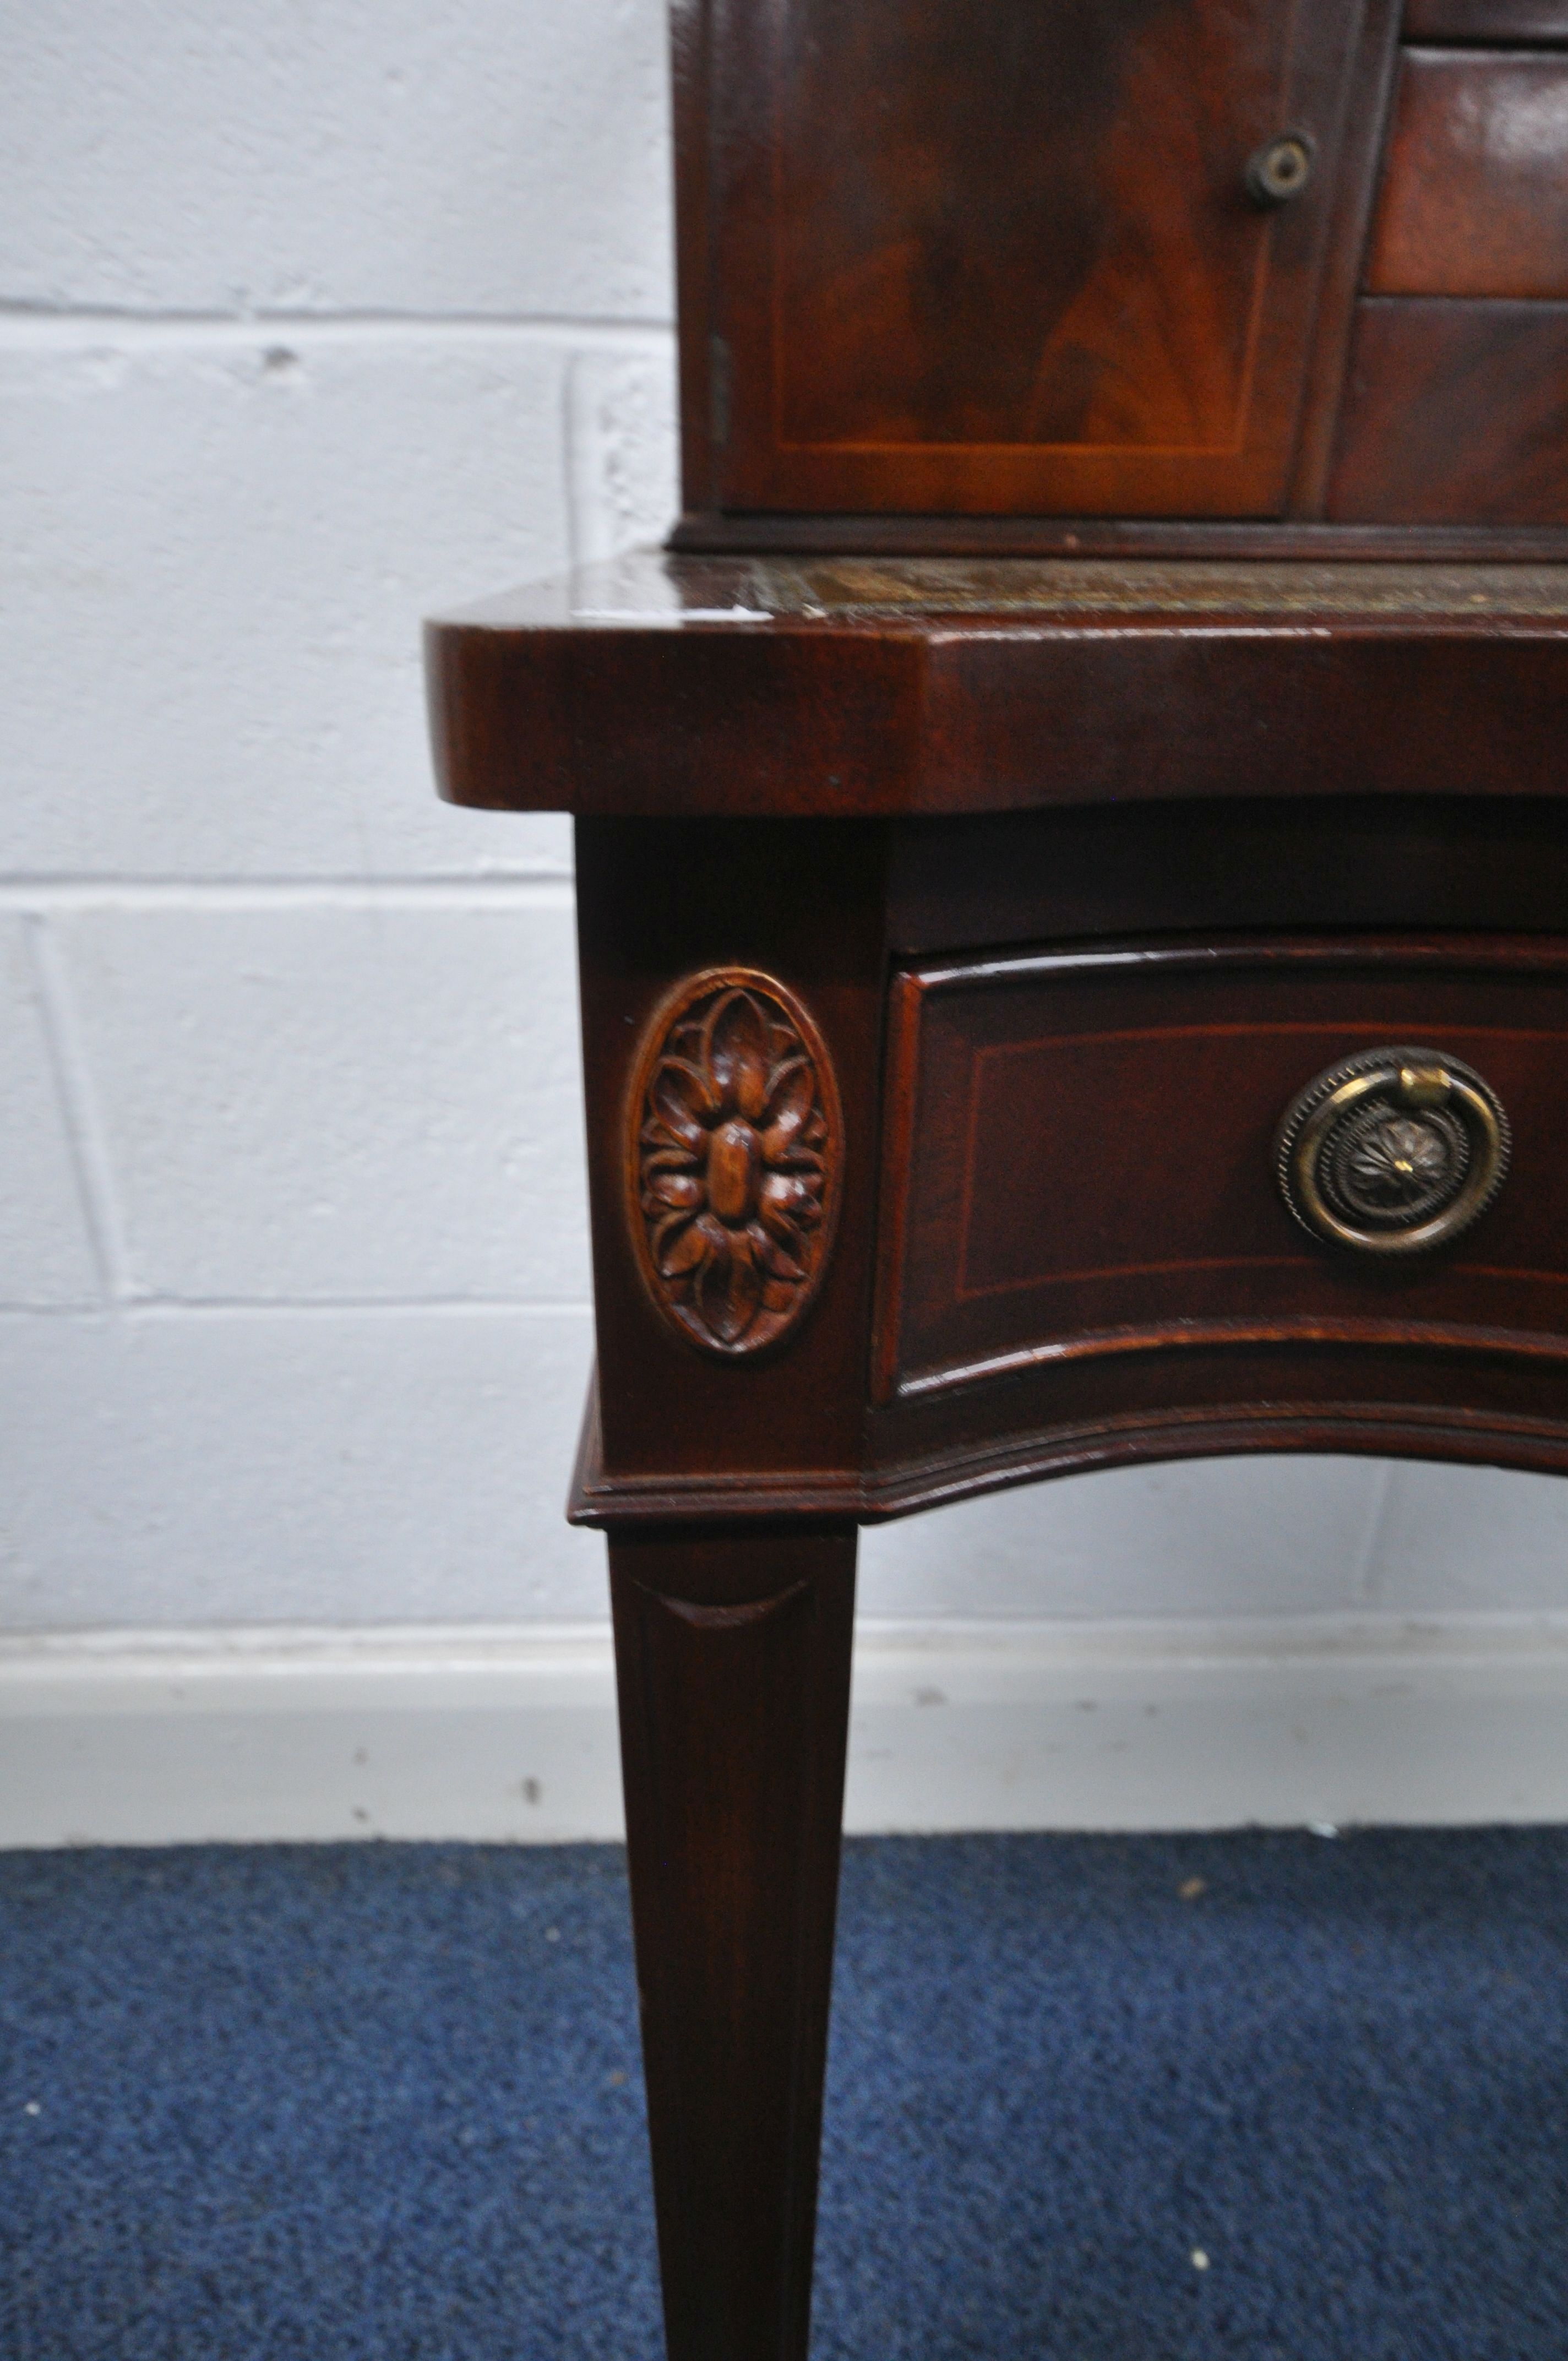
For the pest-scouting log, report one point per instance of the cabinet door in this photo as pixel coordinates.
(983, 257)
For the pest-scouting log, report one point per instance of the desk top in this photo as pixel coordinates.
(862, 687)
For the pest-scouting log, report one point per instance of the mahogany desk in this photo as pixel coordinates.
(1036, 1015)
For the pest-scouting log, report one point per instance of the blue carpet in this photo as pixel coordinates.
(318, 2103)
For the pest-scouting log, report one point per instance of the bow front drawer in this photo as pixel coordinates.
(1144, 1149)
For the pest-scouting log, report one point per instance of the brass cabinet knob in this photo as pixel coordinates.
(1393, 1152)
(1279, 170)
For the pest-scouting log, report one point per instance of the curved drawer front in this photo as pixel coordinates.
(1084, 1154)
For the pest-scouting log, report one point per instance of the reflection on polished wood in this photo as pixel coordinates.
(838, 687)
(1474, 199)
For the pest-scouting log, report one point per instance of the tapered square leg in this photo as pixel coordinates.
(732, 1650)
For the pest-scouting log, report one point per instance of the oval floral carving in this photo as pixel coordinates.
(735, 1146)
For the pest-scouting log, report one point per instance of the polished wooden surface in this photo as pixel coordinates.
(1474, 196)
(838, 689)
(1456, 408)
(1006, 259)
(1471, 864)
(810, 770)
(940, 1358)
(1085, 1164)
(733, 1656)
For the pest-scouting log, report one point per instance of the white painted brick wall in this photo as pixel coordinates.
(267, 1465)
(46, 1256)
(316, 318)
(344, 1102)
(421, 158)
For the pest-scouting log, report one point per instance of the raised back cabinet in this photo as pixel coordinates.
(1005, 259)
(1071, 871)
(964, 276)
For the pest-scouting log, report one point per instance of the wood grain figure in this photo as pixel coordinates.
(1475, 198)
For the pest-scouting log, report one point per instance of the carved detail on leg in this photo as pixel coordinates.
(733, 1160)
(732, 1650)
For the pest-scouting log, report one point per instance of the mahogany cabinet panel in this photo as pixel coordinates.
(1454, 411)
(1081, 1156)
(1348, 864)
(1474, 195)
(982, 259)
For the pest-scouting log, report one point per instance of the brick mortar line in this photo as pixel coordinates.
(64, 330)
(172, 1310)
(43, 897)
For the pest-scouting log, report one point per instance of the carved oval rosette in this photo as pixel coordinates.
(734, 1152)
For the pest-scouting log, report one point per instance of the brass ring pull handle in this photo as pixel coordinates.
(1394, 1152)
(1279, 170)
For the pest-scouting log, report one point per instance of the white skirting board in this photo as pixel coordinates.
(509, 1734)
